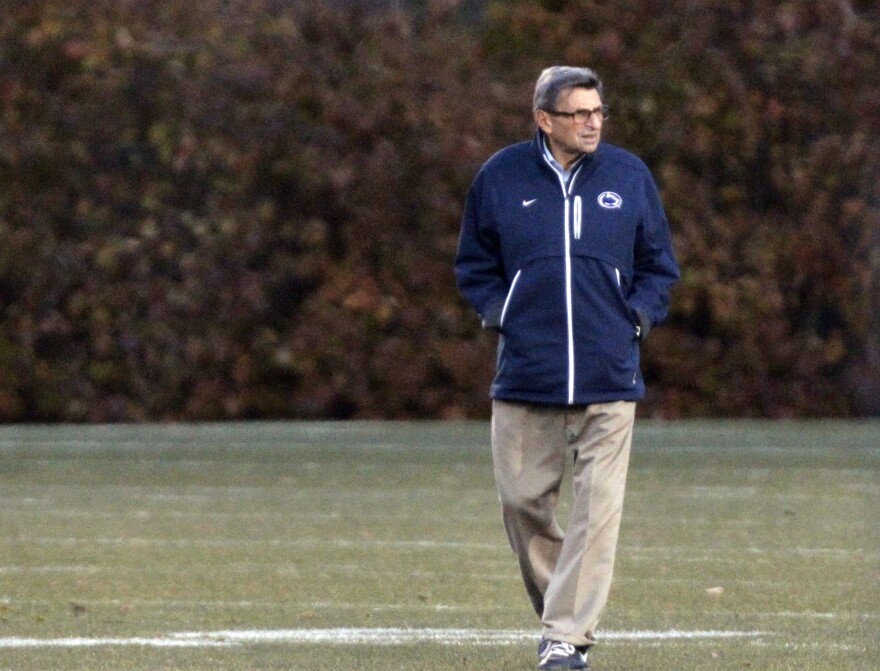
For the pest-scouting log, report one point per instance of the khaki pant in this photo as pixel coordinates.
(567, 574)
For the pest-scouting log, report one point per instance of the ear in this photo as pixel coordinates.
(542, 121)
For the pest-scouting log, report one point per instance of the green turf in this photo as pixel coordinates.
(146, 531)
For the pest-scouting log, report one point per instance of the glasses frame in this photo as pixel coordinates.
(585, 115)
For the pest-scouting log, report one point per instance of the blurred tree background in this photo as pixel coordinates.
(249, 208)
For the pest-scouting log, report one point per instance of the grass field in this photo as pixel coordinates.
(379, 546)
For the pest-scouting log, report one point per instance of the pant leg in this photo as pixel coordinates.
(528, 452)
(575, 598)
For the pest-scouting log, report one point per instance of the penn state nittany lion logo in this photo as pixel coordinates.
(610, 200)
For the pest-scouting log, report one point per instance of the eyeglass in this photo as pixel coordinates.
(582, 116)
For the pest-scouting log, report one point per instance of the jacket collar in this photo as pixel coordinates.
(539, 141)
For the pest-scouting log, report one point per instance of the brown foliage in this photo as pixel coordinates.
(250, 209)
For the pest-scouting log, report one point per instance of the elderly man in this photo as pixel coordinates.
(565, 251)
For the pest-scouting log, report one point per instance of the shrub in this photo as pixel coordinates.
(250, 209)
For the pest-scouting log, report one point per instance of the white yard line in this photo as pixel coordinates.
(155, 514)
(630, 552)
(351, 636)
(389, 607)
(350, 569)
(129, 541)
(247, 603)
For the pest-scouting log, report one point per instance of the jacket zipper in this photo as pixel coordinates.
(569, 311)
(572, 211)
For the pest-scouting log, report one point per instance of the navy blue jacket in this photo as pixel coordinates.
(571, 277)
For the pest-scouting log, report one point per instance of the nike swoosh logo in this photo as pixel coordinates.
(527, 203)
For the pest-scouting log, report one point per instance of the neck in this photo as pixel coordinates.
(564, 158)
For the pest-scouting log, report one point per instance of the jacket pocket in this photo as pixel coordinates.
(509, 296)
(617, 280)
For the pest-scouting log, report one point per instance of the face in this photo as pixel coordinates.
(568, 140)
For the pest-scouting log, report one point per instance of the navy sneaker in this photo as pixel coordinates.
(560, 655)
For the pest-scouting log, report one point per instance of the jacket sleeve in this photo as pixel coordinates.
(479, 269)
(655, 269)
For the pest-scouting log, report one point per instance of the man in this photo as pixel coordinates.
(565, 251)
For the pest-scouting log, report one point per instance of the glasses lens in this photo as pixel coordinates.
(583, 116)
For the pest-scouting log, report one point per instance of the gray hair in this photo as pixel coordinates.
(554, 80)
